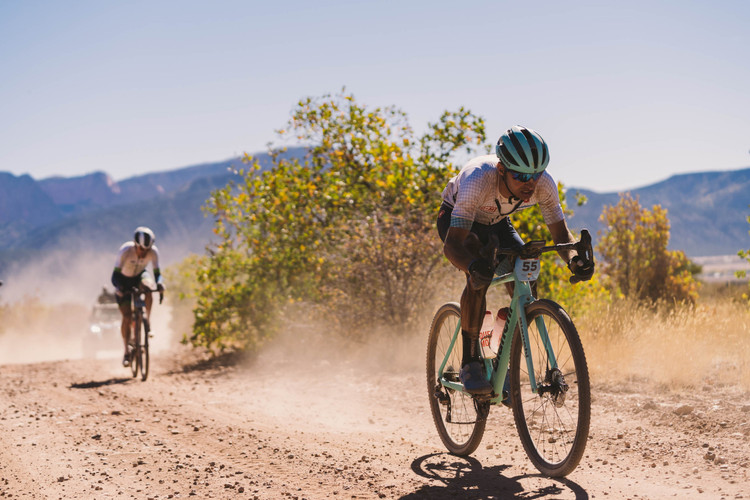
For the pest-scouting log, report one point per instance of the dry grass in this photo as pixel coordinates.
(678, 346)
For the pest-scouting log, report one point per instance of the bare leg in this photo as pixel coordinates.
(149, 301)
(125, 324)
(473, 305)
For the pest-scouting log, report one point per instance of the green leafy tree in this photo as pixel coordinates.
(634, 249)
(348, 229)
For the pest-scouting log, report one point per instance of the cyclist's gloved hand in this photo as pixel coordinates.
(581, 269)
(480, 274)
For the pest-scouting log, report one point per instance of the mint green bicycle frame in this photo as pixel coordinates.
(521, 298)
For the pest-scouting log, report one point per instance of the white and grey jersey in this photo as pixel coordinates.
(130, 264)
(474, 194)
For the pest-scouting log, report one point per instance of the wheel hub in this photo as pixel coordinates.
(555, 386)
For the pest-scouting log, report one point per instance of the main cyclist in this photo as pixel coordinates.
(476, 205)
(130, 270)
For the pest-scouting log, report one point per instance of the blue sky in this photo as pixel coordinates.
(625, 93)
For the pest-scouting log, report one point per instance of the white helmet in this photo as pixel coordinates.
(144, 237)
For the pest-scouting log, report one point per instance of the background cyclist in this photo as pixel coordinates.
(476, 204)
(130, 270)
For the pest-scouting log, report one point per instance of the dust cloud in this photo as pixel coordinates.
(320, 381)
(46, 309)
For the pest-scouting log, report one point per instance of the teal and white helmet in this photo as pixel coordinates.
(523, 150)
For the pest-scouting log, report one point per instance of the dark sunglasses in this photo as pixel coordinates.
(524, 177)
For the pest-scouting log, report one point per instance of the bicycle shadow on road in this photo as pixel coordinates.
(218, 362)
(94, 384)
(465, 477)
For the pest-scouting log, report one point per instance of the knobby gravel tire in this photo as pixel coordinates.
(554, 426)
(144, 358)
(462, 433)
(135, 358)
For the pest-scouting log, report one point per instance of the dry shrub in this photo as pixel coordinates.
(681, 346)
(383, 275)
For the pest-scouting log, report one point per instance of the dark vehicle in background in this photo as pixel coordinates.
(104, 326)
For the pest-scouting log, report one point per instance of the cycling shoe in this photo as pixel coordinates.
(473, 378)
(126, 360)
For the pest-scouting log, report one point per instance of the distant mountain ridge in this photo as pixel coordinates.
(23, 203)
(707, 210)
(95, 213)
(44, 213)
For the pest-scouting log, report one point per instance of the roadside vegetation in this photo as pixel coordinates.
(345, 236)
(345, 233)
(344, 239)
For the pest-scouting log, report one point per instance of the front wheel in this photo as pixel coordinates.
(134, 337)
(143, 358)
(553, 423)
(459, 418)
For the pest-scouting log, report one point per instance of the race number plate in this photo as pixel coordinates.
(527, 269)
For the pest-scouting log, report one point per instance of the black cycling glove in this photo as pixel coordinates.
(581, 269)
(480, 274)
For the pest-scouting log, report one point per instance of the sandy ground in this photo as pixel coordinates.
(306, 423)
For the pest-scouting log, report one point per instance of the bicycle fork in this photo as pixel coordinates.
(517, 320)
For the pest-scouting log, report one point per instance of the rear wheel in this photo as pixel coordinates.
(553, 423)
(459, 418)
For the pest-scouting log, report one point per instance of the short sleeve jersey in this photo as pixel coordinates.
(130, 264)
(474, 194)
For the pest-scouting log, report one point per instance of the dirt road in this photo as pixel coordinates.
(284, 426)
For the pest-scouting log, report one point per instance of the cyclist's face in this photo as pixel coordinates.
(523, 189)
(140, 251)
